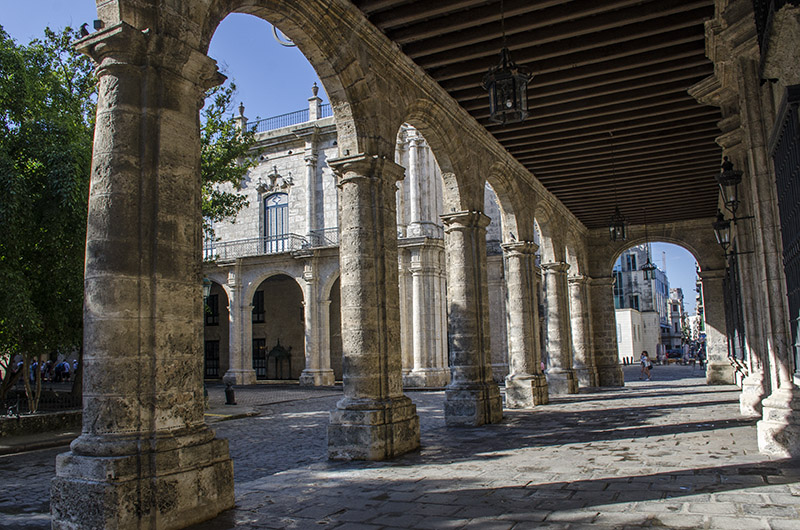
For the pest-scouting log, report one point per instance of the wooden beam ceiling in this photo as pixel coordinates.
(610, 116)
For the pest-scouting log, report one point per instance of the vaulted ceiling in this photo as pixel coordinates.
(609, 108)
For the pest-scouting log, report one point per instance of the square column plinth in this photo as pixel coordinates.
(373, 430)
(526, 392)
(473, 406)
(171, 488)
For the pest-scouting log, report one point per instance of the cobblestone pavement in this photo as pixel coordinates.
(667, 453)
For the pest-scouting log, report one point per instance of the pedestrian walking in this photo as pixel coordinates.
(646, 365)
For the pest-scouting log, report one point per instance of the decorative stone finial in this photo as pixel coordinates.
(241, 109)
(315, 89)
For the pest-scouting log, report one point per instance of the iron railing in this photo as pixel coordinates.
(329, 237)
(259, 246)
(288, 119)
(256, 246)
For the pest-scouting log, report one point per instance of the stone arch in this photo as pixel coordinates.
(354, 92)
(573, 254)
(434, 125)
(253, 285)
(516, 215)
(550, 248)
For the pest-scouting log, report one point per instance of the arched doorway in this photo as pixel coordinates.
(216, 330)
(278, 332)
(335, 339)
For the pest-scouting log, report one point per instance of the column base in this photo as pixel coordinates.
(240, 377)
(164, 489)
(317, 378)
(562, 382)
(610, 376)
(587, 377)
(427, 378)
(499, 372)
(526, 391)
(719, 373)
(779, 430)
(372, 430)
(752, 395)
(474, 405)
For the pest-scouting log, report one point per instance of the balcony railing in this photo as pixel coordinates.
(328, 237)
(257, 246)
(260, 246)
(288, 119)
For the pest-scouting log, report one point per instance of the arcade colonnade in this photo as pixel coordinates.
(145, 457)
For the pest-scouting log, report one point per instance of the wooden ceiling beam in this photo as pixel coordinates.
(434, 13)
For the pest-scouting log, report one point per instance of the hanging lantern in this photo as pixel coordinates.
(206, 288)
(617, 227)
(507, 85)
(722, 230)
(729, 181)
(649, 269)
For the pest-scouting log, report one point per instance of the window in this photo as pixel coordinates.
(631, 261)
(635, 301)
(276, 223)
(212, 310)
(211, 368)
(675, 308)
(260, 358)
(676, 327)
(618, 295)
(258, 307)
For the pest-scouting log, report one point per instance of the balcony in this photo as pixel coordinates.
(286, 120)
(262, 246)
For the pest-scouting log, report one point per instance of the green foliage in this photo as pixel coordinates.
(225, 158)
(46, 113)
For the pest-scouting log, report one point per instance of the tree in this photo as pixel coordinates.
(227, 154)
(46, 125)
(47, 103)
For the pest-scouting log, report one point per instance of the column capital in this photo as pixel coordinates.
(578, 278)
(556, 266)
(601, 281)
(519, 248)
(123, 45)
(711, 274)
(363, 165)
(465, 219)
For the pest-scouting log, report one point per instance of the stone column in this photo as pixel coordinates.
(414, 186)
(719, 370)
(560, 374)
(472, 398)
(374, 420)
(311, 195)
(604, 332)
(317, 371)
(427, 370)
(580, 324)
(526, 385)
(145, 457)
(240, 366)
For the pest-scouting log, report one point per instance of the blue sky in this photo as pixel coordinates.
(271, 80)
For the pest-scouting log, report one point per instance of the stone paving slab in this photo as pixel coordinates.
(670, 453)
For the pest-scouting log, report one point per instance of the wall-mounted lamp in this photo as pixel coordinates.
(729, 180)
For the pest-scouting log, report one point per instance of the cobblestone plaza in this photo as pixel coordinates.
(669, 453)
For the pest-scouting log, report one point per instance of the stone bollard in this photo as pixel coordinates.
(230, 397)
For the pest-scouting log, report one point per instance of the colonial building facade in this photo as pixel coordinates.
(145, 456)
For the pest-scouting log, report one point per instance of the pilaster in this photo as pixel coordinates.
(317, 371)
(240, 368)
(472, 398)
(719, 370)
(560, 374)
(604, 332)
(374, 420)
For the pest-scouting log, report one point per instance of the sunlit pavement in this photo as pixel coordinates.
(666, 453)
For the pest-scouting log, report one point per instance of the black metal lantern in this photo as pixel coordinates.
(722, 230)
(729, 180)
(649, 269)
(206, 288)
(507, 85)
(618, 226)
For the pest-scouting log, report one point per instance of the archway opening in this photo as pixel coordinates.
(498, 332)
(216, 339)
(661, 315)
(421, 260)
(278, 329)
